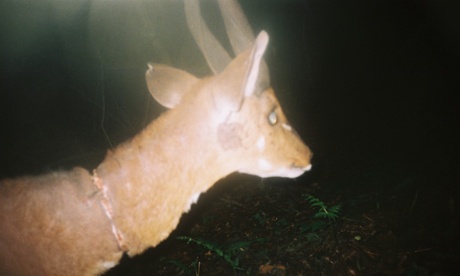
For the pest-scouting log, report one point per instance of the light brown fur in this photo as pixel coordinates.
(54, 225)
(80, 223)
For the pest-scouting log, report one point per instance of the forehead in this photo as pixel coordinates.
(269, 96)
(262, 102)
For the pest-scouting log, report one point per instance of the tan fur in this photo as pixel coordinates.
(54, 225)
(77, 223)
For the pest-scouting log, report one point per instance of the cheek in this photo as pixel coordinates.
(263, 164)
(229, 136)
(270, 146)
(261, 143)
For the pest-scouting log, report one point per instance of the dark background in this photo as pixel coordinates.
(371, 86)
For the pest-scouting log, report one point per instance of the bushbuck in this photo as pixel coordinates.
(79, 222)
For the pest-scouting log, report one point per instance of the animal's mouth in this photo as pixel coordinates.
(296, 171)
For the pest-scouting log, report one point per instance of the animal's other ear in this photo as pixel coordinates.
(167, 85)
(240, 77)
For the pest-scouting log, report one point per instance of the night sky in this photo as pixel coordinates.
(371, 86)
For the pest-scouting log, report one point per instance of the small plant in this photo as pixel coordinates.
(185, 269)
(228, 254)
(323, 211)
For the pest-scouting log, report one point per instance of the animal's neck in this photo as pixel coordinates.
(154, 178)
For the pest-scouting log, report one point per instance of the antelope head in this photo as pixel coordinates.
(249, 125)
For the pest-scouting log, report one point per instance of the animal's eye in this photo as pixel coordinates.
(272, 118)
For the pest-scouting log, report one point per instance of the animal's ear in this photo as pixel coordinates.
(240, 78)
(167, 85)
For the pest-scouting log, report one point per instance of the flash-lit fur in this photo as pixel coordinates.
(80, 223)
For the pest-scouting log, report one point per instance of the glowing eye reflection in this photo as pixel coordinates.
(272, 118)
